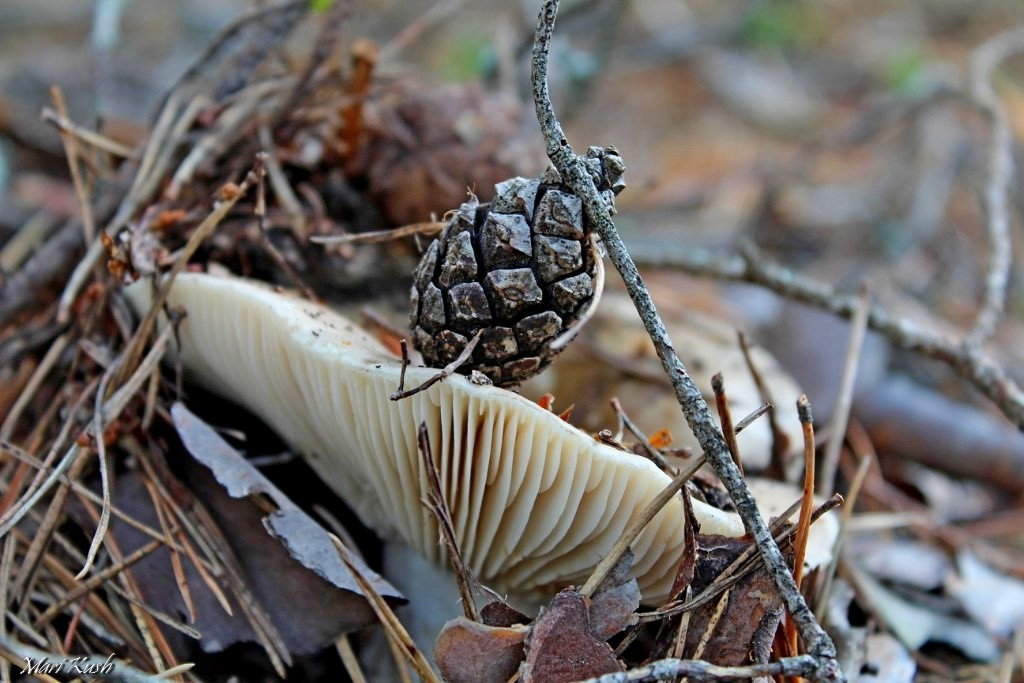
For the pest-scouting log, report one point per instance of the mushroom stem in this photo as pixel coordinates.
(698, 415)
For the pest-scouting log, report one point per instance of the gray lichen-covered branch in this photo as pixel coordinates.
(695, 408)
(754, 268)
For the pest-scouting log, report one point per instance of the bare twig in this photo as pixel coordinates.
(90, 137)
(725, 419)
(803, 407)
(652, 453)
(71, 151)
(405, 365)
(844, 520)
(841, 413)
(436, 503)
(803, 527)
(443, 373)
(780, 442)
(694, 670)
(1000, 174)
(429, 228)
(392, 626)
(764, 408)
(695, 408)
(637, 525)
(752, 267)
(261, 219)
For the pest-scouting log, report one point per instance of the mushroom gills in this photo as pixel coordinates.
(535, 502)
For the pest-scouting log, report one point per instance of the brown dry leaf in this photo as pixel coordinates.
(303, 538)
(562, 647)
(307, 612)
(688, 563)
(435, 143)
(746, 628)
(916, 624)
(615, 600)
(469, 651)
(500, 613)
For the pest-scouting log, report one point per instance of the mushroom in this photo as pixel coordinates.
(629, 369)
(535, 502)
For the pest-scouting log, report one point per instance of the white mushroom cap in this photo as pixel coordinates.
(535, 502)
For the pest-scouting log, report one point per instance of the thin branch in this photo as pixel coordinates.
(71, 151)
(261, 220)
(445, 372)
(634, 528)
(753, 268)
(90, 137)
(725, 419)
(695, 408)
(780, 442)
(653, 453)
(436, 503)
(392, 626)
(844, 519)
(756, 413)
(694, 670)
(841, 413)
(984, 61)
(803, 527)
(429, 228)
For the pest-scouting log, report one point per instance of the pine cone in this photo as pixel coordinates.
(520, 268)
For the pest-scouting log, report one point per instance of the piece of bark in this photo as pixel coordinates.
(470, 651)
(562, 647)
(500, 613)
(615, 600)
(745, 630)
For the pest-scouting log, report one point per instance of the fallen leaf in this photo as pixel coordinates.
(914, 563)
(469, 651)
(615, 600)
(661, 438)
(887, 661)
(994, 600)
(562, 647)
(298, 543)
(746, 628)
(915, 625)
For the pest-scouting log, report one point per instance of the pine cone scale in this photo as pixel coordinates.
(519, 270)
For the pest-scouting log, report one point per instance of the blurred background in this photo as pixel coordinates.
(848, 142)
